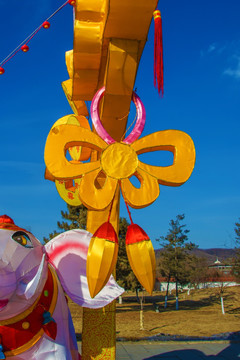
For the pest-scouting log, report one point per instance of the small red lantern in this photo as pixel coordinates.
(25, 48)
(46, 25)
(72, 2)
(2, 71)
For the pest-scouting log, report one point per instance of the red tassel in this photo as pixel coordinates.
(158, 52)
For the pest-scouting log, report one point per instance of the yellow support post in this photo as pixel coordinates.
(99, 325)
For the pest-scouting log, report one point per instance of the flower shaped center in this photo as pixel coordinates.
(119, 161)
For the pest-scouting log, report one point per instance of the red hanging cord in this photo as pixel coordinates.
(26, 41)
(158, 52)
(129, 214)
(110, 211)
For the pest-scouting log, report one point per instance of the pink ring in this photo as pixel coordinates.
(138, 128)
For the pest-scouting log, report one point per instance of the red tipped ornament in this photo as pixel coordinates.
(24, 48)
(72, 2)
(2, 71)
(102, 257)
(46, 25)
(141, 256)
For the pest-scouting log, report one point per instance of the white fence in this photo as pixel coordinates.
(162, 286)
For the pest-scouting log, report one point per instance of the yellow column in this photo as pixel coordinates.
(99, 328)
(99, 325)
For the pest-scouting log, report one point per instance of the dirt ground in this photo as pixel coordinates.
(199, 314)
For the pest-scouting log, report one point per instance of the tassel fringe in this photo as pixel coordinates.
(158, 52)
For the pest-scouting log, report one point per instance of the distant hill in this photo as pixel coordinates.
(211, 254)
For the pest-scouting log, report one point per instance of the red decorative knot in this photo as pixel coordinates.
(72, 2)
(25, 48)
(46, 25)
(4, 219)
(2, 71)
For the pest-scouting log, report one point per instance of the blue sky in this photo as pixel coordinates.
(202, 90)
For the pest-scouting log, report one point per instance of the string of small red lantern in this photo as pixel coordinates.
(24, 44)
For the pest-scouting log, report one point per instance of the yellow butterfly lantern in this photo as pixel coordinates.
(67, 189)
(96, 183)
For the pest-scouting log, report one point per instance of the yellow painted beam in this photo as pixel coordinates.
(96, 23)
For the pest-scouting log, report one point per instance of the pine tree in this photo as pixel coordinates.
(176, 254)
(74, 218)
(236, 267)
(77, 215)
(237, 232)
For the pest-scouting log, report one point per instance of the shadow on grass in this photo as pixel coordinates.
(234, 311)
(153, 303)
(231, 352)
(198, 304)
